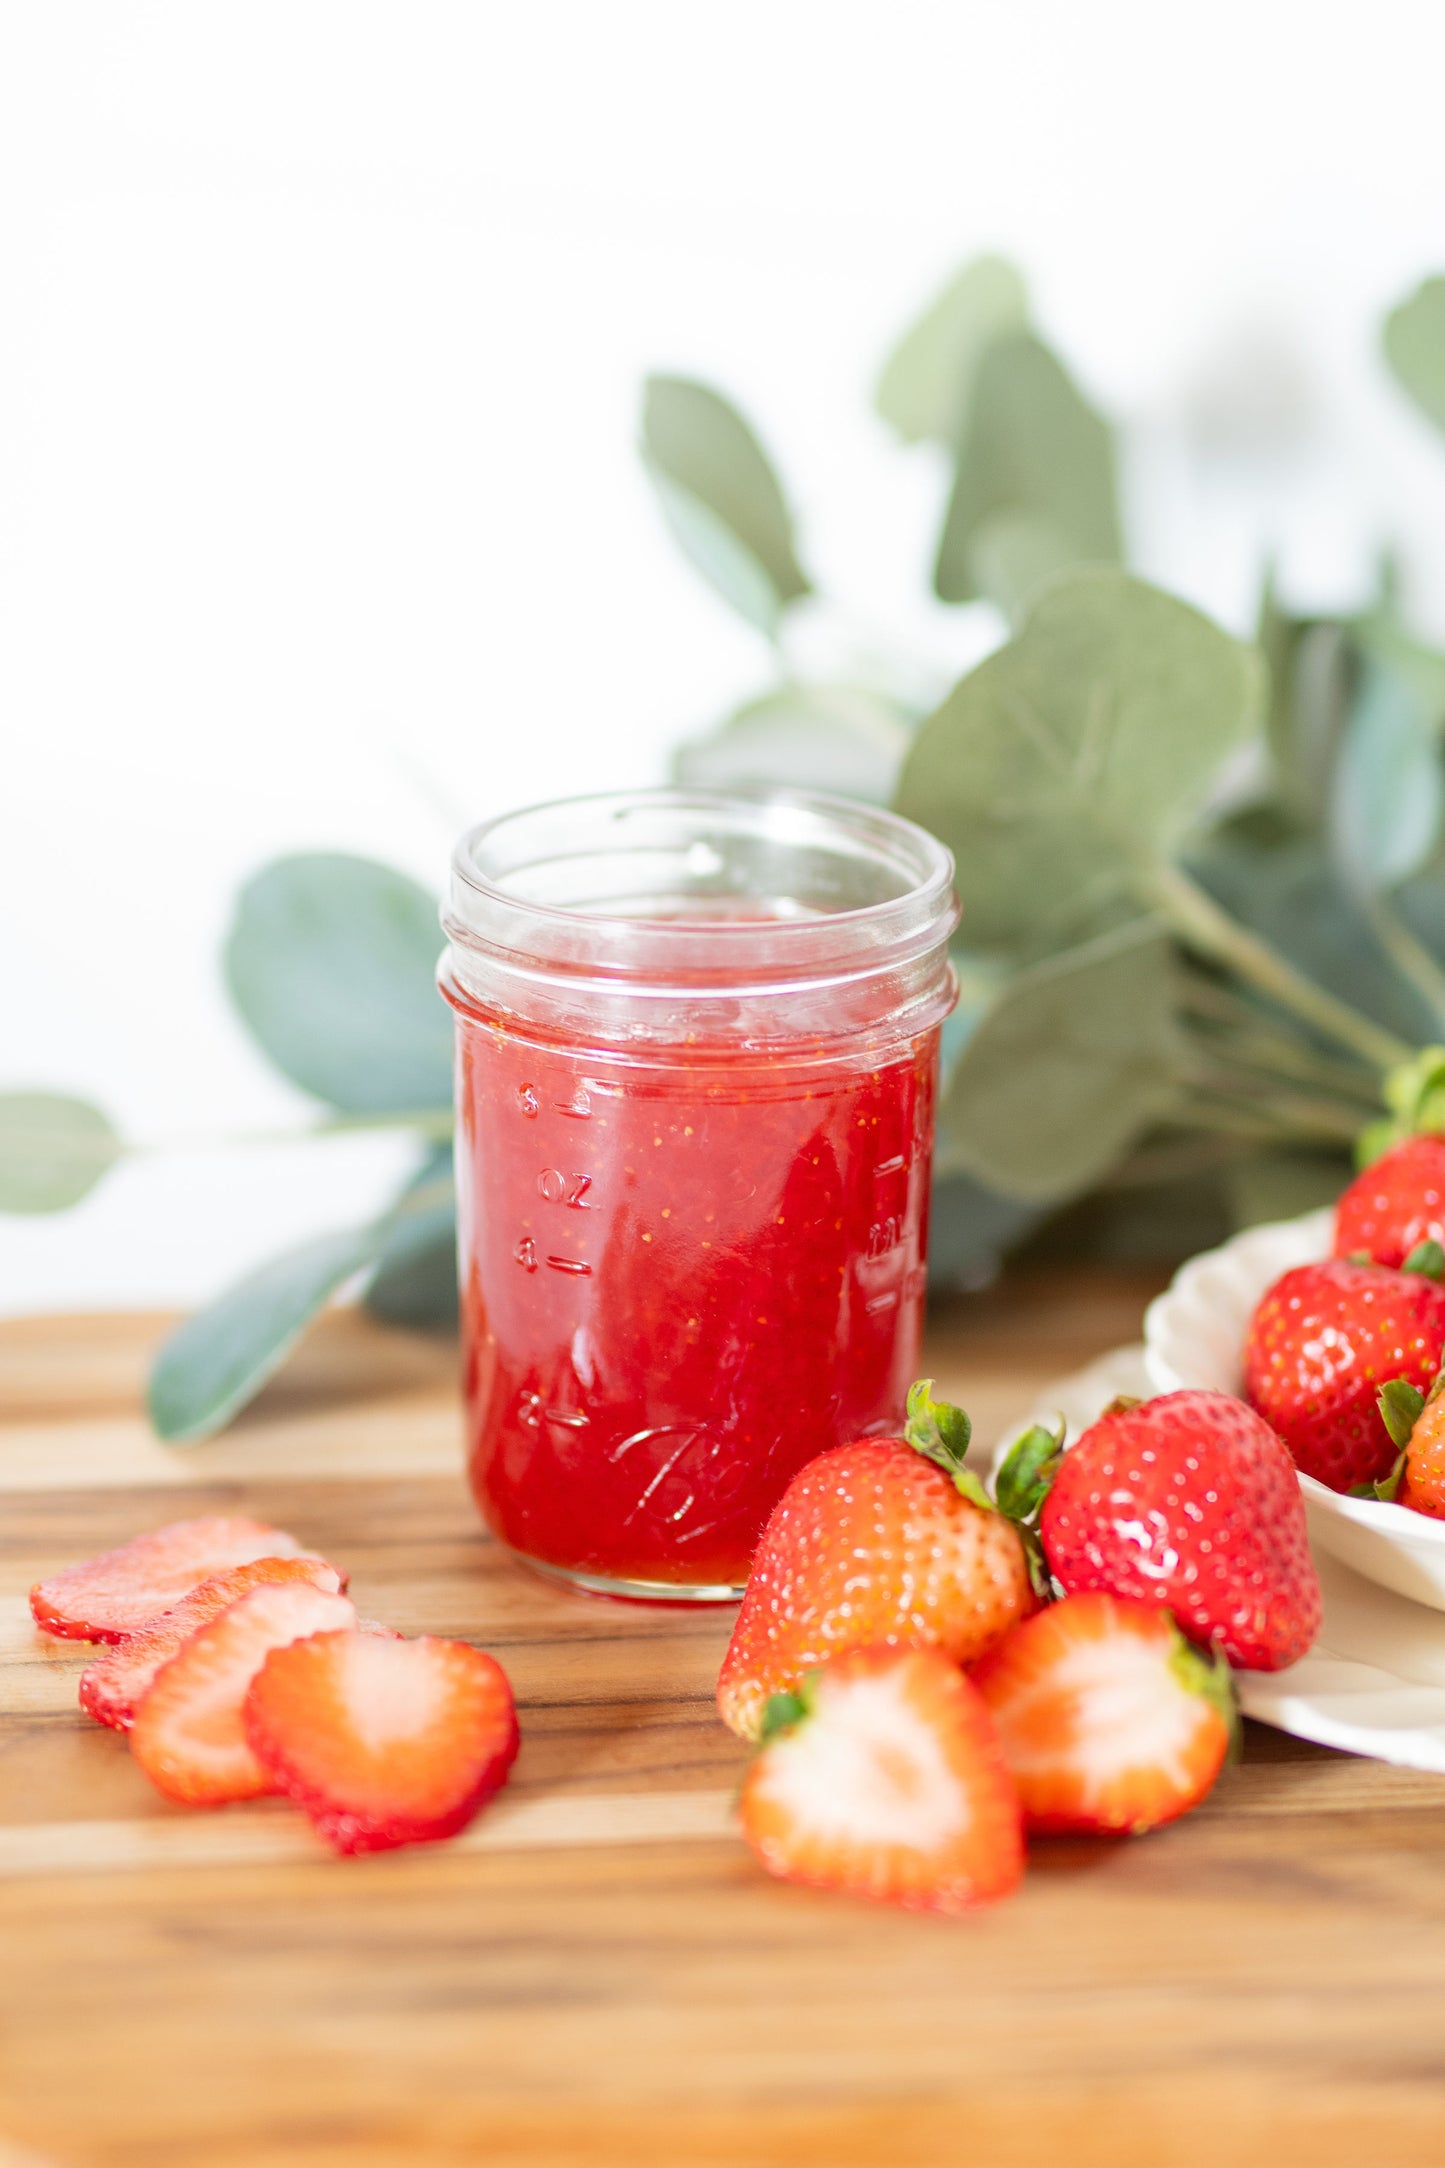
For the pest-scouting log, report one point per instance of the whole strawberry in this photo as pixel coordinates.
(1396, 1204)
(1189, 1502)
(890, 1542)
(1323, 1341)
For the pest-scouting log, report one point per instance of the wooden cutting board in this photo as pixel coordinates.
(597, 1972)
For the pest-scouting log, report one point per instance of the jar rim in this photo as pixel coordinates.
(886, 837)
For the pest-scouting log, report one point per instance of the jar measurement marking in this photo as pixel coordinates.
(532, 1410)
(877, 1304)
(578, 1108)
(560, 1188)
(884, 1235)
(897, 1165)
(570, 1264)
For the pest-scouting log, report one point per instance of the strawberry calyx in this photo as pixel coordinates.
(1415, 1096)
(1427, 1259)
(784, 1712)
(1211, 1678)
(1401, 1406)
(942, 1433)
(1024, 1480)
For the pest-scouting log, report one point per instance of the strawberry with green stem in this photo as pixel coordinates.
(888, 1542)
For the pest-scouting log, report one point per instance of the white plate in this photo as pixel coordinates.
(1374, 1682)
(1194, 1335)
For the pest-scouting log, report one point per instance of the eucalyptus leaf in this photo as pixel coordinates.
(331, 961)
(1074, 1060)
(721, 497)
(1066, 763)
(53, 1150)
(1388, 790)
(415, 1283)
(217, 1359)
(1032, 446)
(927, 381)
(1414, 340)
(1012, 554)
(840, 738)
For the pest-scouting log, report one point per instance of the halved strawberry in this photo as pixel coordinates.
(383, 1742)
(188, 1735)
(1108, 1718)
(108, 1597)
(112, 1687)
(882, 1776)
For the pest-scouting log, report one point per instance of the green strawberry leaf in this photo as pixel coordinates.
(1211, 1677)
(1401, 1404)
(1428, 1259)
(1028, 1471)
(781, 1712)
(941, 1433)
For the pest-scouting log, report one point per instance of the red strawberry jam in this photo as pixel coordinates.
(693, 1198)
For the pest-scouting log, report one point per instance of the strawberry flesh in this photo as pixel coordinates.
(890, 1784)
(1322, 1342)
(111, 1689)
(1190, 1502)
(114, 1595)
(383, 1741)
(188, 1734)
(1108, 1720)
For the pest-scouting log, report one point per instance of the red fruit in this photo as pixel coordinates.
(1109, 1721)
(1189, 1502)
(109, 1597)
(883, 1777)
(383, 1742)
(1321, 1344)
(188, 1735)
(1396, 1204)
(890, 1542)
(112, 1687)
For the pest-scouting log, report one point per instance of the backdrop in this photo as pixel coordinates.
(321, 327)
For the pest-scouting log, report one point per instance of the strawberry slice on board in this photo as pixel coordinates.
(1110, 1721)
(111, 1689)
(882, 1776)
(188, 1734)
(109, 1597)
(383, 1741)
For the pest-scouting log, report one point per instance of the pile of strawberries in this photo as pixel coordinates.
(932, 1674)
(1344, 1357)
(237, 1667)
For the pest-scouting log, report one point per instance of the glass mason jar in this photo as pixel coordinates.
(697, 1056)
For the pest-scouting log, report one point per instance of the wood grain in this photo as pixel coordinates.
(597, 1972)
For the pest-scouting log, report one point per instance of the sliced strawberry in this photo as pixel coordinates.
(1108, 1718)
(109, 1597)
(112, 1687)
(188, 1734)
(383, 1742)
(882, 1776)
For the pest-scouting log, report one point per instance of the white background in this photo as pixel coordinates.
(321, 329)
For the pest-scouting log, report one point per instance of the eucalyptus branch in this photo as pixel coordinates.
(1192, 913)
(1296, 1111)
(1229, 1019)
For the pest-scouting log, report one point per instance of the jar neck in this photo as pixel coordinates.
(703, 919)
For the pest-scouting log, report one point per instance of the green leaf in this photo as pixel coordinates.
(1415, 347)
(332, 964)
(1028, 1471)
(1427, 1259)
(840, 738)
(1074, 1060)
(937, 1428)
(1011, 556)
(415, 1283)
(1401, 1404)
(1033, 445)
(1077, 755)
(213, 1363)
(927, 380)
(721, 497)
(1388, 789)
(53, 1150)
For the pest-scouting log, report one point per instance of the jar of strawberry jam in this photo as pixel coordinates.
(697, 1052)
